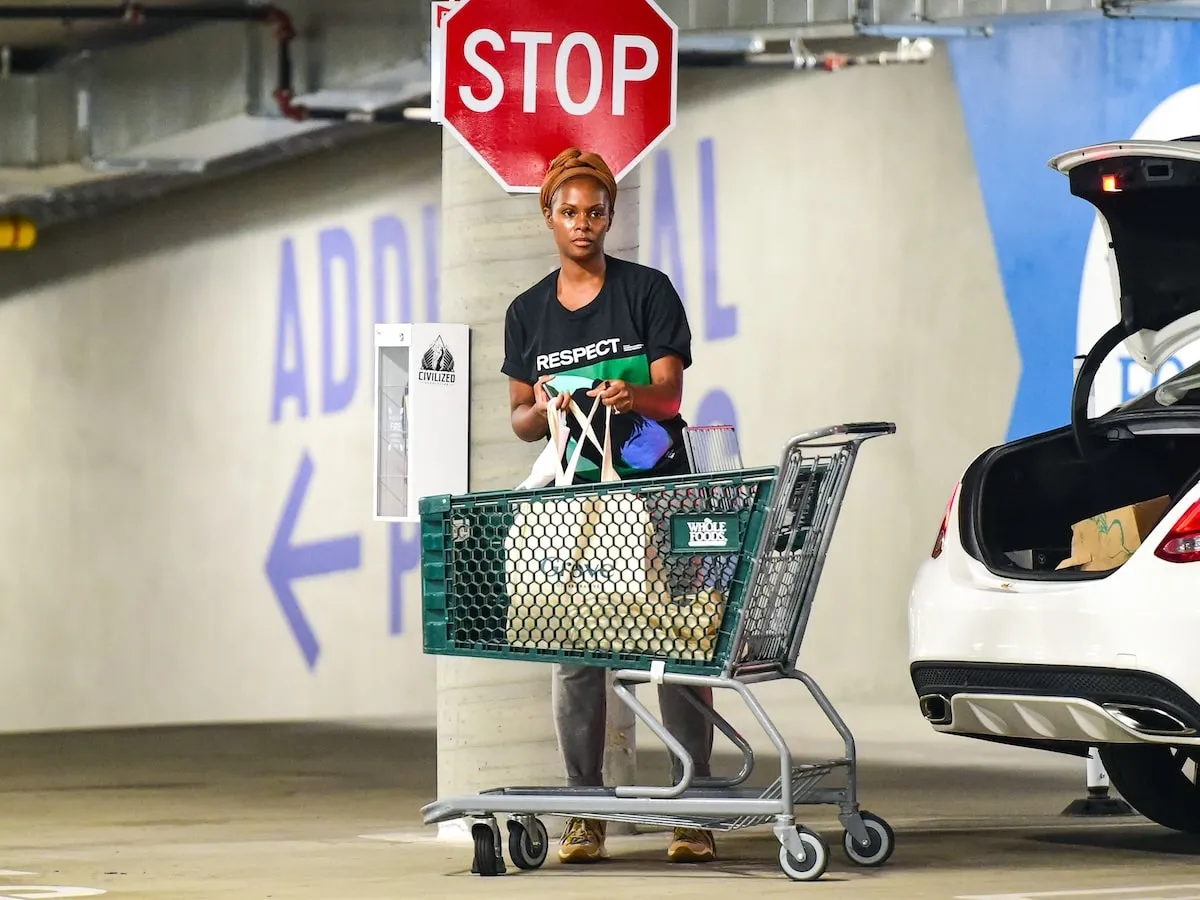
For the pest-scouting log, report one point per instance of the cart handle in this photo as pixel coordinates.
(860, 431)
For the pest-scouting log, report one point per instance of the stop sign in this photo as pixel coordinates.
(525, 79)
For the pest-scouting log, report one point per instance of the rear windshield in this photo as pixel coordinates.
(1182, 390)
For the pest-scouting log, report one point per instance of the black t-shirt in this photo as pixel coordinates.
(635, 319)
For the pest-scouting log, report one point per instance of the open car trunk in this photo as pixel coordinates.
(1019, 502)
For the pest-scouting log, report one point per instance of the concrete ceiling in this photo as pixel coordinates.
(107, 112)
(35, 43)
(97, 112)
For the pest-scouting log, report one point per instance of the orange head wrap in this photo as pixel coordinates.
(572, 163)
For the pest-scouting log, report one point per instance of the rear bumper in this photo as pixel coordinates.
(1042, 664)
(1055, 703)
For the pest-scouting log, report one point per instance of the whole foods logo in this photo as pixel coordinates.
(437, 364)
(707, 533)
(699, 531)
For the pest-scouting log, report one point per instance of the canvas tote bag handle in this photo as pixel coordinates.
(566, 475)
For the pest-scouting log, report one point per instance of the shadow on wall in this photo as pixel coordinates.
(281, 193)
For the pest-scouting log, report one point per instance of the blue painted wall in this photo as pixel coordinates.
(1028, 93)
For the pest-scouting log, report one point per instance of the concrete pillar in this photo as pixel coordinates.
(494, 722)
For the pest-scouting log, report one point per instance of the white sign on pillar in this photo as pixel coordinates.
(422, 407)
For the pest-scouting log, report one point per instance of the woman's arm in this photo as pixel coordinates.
(660, 400)
(528, 422)
(527, 408)
(527, 402)
(668, 340)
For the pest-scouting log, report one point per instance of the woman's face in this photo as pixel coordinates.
(580, 218)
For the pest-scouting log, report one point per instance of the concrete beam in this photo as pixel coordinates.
(832, 18)
(180, 101)
(38, 115)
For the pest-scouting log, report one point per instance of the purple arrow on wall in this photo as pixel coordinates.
(288, 562)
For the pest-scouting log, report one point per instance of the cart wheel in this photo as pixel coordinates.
(486, 860)
(816, 857)
(528, 847)
(879, 846)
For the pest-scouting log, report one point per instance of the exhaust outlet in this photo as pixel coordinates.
(936, 709)
(1147, 720)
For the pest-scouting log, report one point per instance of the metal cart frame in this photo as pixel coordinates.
(776, 597)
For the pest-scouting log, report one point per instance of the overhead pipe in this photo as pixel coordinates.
(710, 51)
(907, 50)
(926, 30)
(720, 44)
(138, 14)
(707, 50)
(382, 116)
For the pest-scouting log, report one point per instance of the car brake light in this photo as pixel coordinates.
(941, 535)
(1109, 184)
(1182, 543)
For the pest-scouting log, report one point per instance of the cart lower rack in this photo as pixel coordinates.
(702, 581)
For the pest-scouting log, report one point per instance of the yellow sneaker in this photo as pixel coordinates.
(583, 841)
(692, 845)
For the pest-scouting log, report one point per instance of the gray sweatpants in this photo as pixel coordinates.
(580, 696)
(580, 714)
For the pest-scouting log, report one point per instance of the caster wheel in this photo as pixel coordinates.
(528, 846)
(878, 848)
(487, 861)
(816, 857)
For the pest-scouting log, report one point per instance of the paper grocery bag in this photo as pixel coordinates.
(584, 573)
(576, 570)
(1106, 541)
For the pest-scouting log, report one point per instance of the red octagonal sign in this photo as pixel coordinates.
(525, 79)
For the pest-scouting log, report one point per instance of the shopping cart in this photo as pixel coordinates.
(705, 580)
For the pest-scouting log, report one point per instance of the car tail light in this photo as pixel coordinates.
(1182, 543)
(941, 535)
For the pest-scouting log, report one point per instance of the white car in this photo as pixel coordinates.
(1003, 645)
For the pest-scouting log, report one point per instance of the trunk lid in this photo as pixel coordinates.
(1147, 195)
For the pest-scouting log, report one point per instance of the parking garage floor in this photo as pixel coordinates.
(330, 812)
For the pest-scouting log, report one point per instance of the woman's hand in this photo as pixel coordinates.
(617, 395)
(543, 402)
(529, 406)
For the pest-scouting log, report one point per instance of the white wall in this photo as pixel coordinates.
(144, 478)
(852, 239)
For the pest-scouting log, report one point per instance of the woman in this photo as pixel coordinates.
(611, 330)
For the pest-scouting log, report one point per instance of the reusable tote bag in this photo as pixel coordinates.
(583, 573)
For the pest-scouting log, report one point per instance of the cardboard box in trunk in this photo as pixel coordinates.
(1106, 541)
